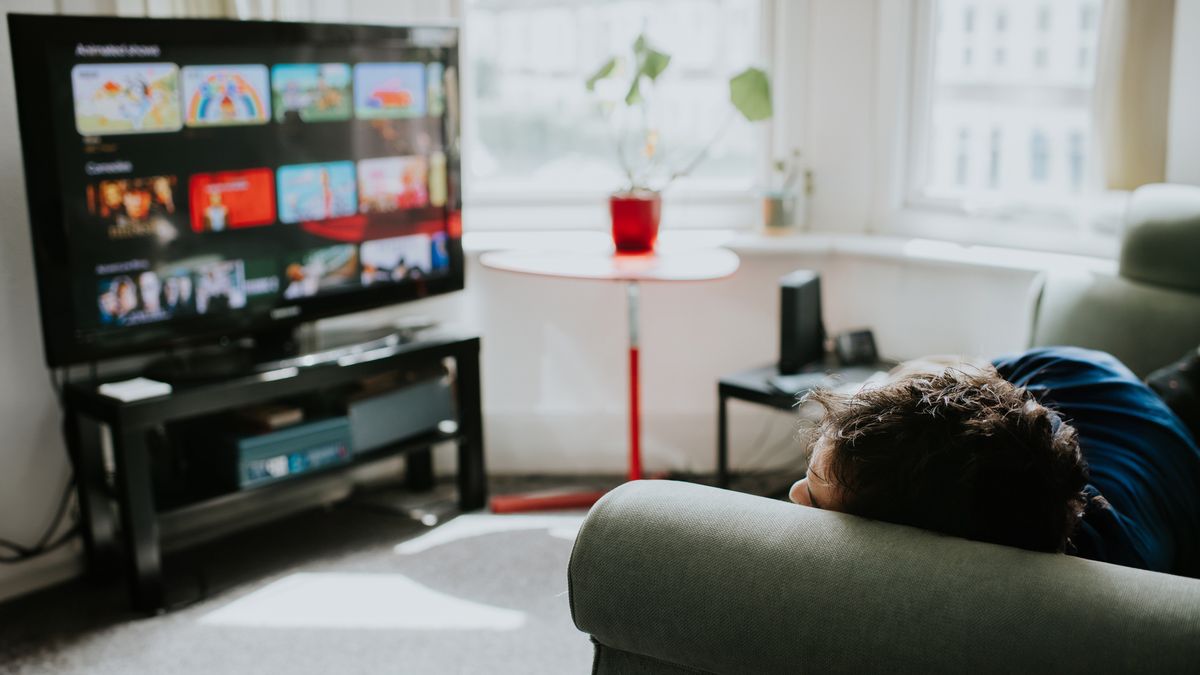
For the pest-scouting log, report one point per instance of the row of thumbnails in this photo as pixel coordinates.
(141, 291)
(142, 98)
(225, 200)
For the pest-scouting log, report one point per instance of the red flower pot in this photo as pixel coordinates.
(635, 220)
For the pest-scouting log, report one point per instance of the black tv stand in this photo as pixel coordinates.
(202, 365)
(226, 359)
(273, 351)
(124, 522)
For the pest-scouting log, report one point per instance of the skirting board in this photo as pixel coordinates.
(54, 568)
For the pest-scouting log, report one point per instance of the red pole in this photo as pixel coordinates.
(633, 299)
(635, 421)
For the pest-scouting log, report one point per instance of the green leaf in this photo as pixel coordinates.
(750, 93)
(635, 91)
(654, 63)
(604, 71)
(639, 45)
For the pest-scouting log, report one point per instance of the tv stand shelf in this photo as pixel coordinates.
(130, 534)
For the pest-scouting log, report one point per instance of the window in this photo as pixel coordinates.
(994, 164)
(1030, 109)
(534, 133)
(1039, 158)
(964, 154)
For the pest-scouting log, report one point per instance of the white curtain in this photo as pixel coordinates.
(1133, 82)
(349, 11)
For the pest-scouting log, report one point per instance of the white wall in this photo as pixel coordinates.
(554, 351)
(33, 462)
(839, 119)
(1183, 147)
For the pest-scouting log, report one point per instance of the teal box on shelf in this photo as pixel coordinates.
(393, 416)
(295, 450)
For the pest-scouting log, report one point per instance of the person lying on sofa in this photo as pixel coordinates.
(1055, 449)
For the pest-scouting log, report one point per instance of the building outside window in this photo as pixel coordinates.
(1025, 120)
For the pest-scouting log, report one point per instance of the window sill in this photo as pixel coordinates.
(751, 244)
(1094, 235)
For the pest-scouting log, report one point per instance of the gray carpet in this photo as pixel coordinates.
(325, 592)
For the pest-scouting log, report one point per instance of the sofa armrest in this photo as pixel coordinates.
(729, 583)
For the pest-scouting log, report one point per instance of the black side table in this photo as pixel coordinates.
(754, 385)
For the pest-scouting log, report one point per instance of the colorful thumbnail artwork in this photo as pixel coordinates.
(135, 207)
(313, 92)
(435, 74)
(389, 90)
(220, 286)
(322, 269)
(440, 251)
(144, 297)
(316, 191)
(392, 183)
(396, 259)
(232, 199)
(226, 95)
(126, 98)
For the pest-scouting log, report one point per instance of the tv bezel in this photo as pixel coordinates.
(30, 36)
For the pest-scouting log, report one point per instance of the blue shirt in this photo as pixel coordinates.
(1144, 509)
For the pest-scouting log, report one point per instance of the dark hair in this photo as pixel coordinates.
(963, 453)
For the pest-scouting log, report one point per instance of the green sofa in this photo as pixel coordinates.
(672, 577)
(676, 578)
(1148, 315)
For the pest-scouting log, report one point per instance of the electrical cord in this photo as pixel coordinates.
(46, 543)
(760, 453)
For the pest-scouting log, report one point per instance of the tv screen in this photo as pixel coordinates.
(190, 180)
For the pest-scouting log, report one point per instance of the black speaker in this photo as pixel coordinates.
(801, 332)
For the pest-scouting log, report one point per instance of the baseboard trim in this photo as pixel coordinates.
(34, 575)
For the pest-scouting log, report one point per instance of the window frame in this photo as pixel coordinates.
(905, 211)
(703, 204)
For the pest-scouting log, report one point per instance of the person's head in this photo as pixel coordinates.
(150, 287)
(111, 194)
(137, 203)
(962, 453)
(162, 191)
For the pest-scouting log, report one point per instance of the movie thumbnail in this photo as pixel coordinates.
(144, 297)
(232, 199)
(320, 270)
(226, 95)
(316, 191)
(220, 286)
(126, 98)
(392, 183)
(436, 86)
(396, 259)
(136, 207)
(389, 90)
(440, 251)
(311, 92)
(439, 189)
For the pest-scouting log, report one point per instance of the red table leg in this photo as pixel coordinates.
(633, 297)
(567, 499)
(635, 421)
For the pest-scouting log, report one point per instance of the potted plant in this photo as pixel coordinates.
(636, 207)
(783, 206)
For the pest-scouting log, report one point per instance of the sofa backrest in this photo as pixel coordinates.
(1149, 314)
(691, 577)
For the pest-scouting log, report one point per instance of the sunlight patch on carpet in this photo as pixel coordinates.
(360, 601)
(563, 526)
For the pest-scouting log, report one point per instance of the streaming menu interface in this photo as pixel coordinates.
(210, 181)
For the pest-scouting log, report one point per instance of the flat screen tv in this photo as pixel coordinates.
(192, 180)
